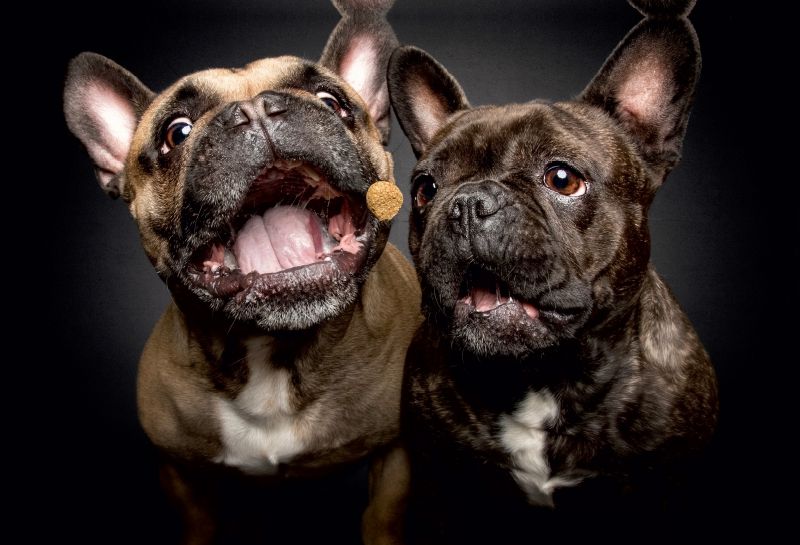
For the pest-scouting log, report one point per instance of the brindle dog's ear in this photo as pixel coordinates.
(103, 103)
(359, 49)
(423, 95)
(648, 84)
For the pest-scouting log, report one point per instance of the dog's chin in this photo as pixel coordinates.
(292, 256)
(511, 329)
(298, 299)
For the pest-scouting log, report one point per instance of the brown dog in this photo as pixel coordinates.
(281, 354)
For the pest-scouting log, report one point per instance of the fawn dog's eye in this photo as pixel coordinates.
(332, 102)
(177, 131)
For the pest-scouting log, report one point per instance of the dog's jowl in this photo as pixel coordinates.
(280, 357)
(556, 390)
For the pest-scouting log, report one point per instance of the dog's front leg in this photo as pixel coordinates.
(382, 522)
(193, 498)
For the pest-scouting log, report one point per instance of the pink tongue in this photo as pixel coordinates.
(485, 300)
(284, 237)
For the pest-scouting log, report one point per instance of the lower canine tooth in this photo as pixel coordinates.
(230, 260)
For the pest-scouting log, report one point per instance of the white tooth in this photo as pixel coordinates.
(328, 258)
(230, 260)
(311, 173)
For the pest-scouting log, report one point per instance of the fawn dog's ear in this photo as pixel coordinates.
(103, 103)
(358, 51)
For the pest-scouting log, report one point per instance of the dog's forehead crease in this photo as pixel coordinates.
(522, 137)
(231, 84)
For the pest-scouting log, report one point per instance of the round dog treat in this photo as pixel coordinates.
(384, 200)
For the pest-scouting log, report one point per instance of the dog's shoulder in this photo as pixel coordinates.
(168, 383)
(667, 339)
(674, 360)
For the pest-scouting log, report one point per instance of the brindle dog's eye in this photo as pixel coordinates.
(564, 180)
(425, 189)
(178, 131)
(332, 102)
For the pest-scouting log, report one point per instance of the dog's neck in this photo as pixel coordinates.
(225, 344)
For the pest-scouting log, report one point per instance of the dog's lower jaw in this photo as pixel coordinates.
(292, 299)
(302, 313)
(506, 330)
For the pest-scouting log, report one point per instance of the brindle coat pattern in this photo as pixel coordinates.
(598, 405)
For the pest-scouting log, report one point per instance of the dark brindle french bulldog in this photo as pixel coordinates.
(281, 354)
(557, 390)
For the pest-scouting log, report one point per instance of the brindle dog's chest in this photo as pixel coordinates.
(526, 436)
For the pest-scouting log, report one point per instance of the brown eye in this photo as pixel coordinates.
(565, 181)
(425, 190)
(178, 131)
(332, 102)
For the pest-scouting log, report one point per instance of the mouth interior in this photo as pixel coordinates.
(485, 292)
(291, 217)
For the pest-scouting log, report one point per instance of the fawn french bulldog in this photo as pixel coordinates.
(280, 357)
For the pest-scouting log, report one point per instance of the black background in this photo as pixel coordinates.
(722, 229)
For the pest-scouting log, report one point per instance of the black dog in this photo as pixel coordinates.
(557, 389)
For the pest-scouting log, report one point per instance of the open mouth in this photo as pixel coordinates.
(291, 219)
(482, 291)
(484, 294)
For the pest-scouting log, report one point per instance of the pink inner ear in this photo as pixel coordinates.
(428, 108)
(115, 121)
(358, 69)
(643, 95)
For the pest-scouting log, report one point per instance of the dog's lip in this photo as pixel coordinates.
(481, 301)
(254, 287)
(487, 295)
(519, 309)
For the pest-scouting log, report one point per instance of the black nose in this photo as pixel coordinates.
(263, 106)
(473, 206)
(274, 104)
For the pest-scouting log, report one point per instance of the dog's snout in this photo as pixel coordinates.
(473, 205)
(273, 104)
(238, 114)
(264, 105)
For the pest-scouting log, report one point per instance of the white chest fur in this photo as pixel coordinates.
(524, 436)
(260, 428)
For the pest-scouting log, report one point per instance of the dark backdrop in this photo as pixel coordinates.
(723, 235)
